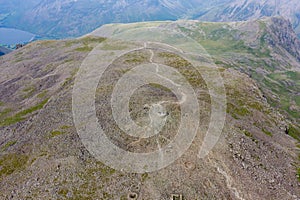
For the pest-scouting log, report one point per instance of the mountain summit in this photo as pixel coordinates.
(44, 156)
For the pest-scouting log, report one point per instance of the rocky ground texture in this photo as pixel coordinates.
(257, 157)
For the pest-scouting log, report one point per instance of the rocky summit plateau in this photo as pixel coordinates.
(42, 156)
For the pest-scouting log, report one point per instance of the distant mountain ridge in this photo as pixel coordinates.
(69, 18)
(252, 9)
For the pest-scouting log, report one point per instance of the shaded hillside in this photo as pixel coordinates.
(42, 156)
(4, 51)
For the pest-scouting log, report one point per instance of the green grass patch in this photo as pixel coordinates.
(92, 39)
(267, 132)
(63, 192)
(67, 81)
(297, 100)
(10, 163)
(145, 176)
(160, 87)
(277, 84)
(234, 111)
(19, 60)
(294, 132)
(167, 55)
(221, 69)
(135, 58)
(42, 94)
(262, 25)
(70, 43)
(8, 144)
(250, 135)
(62, 130)
(293, 75)
(104, 89)
(219, 38)
(85, 48)
(107, 171)
(113, 47)
(185, 68)
(20, 116)
(298, 174)
(29, 91)
(256, 105)
(68, 61)
(56, 133)
(193, 76)
(64, 127)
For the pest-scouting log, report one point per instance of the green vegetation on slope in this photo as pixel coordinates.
(87, 43)
(294, 132)
(219, 38)
(285, 85)
(8, 144)
(20, 116)
(252, 53)
(10, 163)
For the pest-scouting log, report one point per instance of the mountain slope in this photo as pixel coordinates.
(254, 9)
(67, 18)
(263, 49)
(42, 155)
(4, 50)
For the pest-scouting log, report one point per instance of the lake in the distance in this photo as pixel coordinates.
(11, 36)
